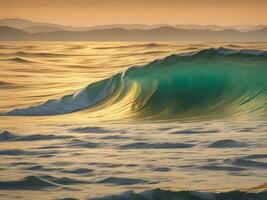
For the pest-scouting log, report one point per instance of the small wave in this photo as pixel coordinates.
(159, 145)
(38, 168)
(38, 137)
(75, 47)
(190, 131)
(90, 130)
(106, 165)
(83, 144)
(16, 152)
(19, 60)
(227, 143)
(7, 85)
(21, 163)
(64, 180)
(190, 49)
(151, 52)
(27, 183)
(234, 46)
(155, 45)
(79, 171)
(223, 168)
(246, 129)
(41, 54)
(162, 169)
(159, 194)
(8, 136)
(19, 152)
(122, 181)
(39, 183)
(150, 45)
(246, 163)
(255, 156)
(114, 137)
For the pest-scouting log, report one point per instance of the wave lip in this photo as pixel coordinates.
(86, 98)
(206, 84)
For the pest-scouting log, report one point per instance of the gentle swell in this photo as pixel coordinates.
(7, 136)
(207, 84)
(27, 183)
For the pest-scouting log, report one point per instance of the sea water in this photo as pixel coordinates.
(103, 120)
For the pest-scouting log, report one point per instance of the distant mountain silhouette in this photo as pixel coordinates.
(16, 23)
(34, 27)
(24, 24)
(44, 29)
(7, 33)
(242, 28)
(165, 33)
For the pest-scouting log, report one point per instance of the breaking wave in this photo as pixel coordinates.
(206, 84)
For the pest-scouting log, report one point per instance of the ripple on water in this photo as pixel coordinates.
(227, 143)
(157, 145)
(90, 130)
(122, 181)
(246, 163)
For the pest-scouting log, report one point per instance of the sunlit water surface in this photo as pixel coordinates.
(82, 156)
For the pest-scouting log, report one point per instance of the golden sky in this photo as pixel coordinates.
(94, 12)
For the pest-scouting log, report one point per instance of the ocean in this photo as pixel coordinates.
(133, 120)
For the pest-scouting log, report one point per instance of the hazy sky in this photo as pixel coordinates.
(93, 12)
